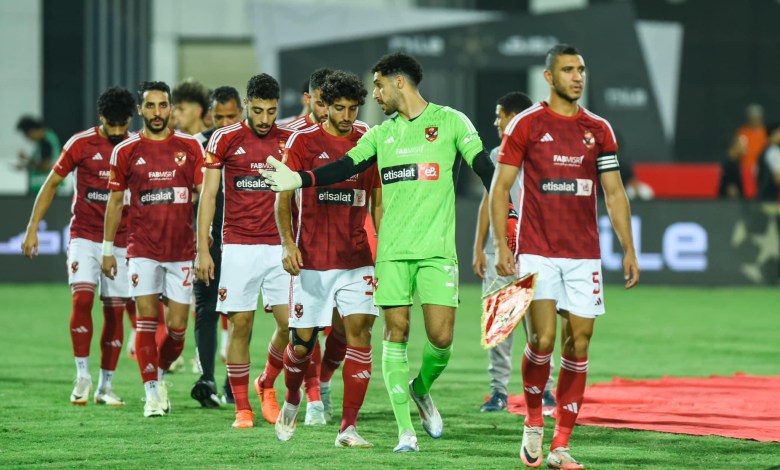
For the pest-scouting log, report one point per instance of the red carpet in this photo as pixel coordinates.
(742, 406)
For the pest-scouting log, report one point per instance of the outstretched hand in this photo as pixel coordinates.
(283, 179)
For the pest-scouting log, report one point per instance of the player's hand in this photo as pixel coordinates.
(505, 260)
(283, 179)
(30, 244)
(204, 267)
(109, 267)
(479, 264)
(630, 270)
(292, 262)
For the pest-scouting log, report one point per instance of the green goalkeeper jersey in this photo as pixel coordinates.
(415, 161)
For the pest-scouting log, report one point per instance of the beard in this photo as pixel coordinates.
(148, 124)
(115, 139)
(562, 93)
(259, 132)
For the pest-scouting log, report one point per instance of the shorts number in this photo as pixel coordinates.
(597, 282)
(187, 276)
(371, 282)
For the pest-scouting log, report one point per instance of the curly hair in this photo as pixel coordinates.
(116, 105)
(143, 87)
(263, 86)
(343, 85)
(191, 91)
(398, 62)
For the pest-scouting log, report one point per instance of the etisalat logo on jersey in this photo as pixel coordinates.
(98, 196)
(567, 187)
(342, 197)
(411, 172)
(175, 195)
(250, 183)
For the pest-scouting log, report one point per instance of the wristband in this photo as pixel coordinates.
(108, 248)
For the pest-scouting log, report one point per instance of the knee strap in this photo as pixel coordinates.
(297, 341)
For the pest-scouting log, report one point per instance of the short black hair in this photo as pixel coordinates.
(343, 85)
(116, 105)
(555, 51)
(191, 91)
(143, 87)
(263, 86)
(224, 94)
(28, 123)
(514, 102)
(305, 86)
(317, 78)
(399, 62)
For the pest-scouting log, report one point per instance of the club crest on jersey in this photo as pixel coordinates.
(180, 158)
(134, 280)
(431, 133)
(588, 140)
(222, 294)
(74, 267)
(282, 145)
(298, 310)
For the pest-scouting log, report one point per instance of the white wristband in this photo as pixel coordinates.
(108, 248)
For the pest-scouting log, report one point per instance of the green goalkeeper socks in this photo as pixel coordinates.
(395, 370)
(434, 362)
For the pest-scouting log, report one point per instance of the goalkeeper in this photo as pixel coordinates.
(415, 152)
(484, 264)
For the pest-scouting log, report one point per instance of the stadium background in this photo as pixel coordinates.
(673, 77)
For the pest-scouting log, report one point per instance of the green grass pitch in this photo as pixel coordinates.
(649, 332)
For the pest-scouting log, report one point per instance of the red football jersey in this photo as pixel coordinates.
(88, 155)
(161, 175)
(249, 202)
(560, 158)
(332, 229)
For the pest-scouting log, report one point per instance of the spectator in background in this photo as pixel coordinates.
(47, 148)
(754, 133)
(731, 178)
(768, 176)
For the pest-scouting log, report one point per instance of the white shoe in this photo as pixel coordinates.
(531, 449)
(560, 458)
(407, 442)
(315, 414)
(108, 398)
(350, 438)
(285, 423)
(327, 402)
(429, 415)
(153, 408)
(177, 365)
(81, 389)
(165, 402)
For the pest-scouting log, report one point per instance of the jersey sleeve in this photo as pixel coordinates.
(214, 157)
(66, 163)
(607, 159)
(200, 159)
(294, 153)
(514, 143)
(117, 179)
(468, 142)
(366, 147)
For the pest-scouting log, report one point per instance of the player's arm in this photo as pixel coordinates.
(204, 264)
(284, 179)
(499, 212)
(619, 212)
(41, 206)
(483, 224)
(292, 262)
(110, 226)
(376, 208)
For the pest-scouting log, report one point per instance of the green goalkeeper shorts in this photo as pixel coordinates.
(435, 280)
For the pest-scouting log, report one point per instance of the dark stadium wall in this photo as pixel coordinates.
(63, 66)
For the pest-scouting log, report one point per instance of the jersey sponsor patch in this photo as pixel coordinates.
(343, 197)
(175, 195)
(568, 187)
(411, 172)
(97, 196)
(250, 183)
